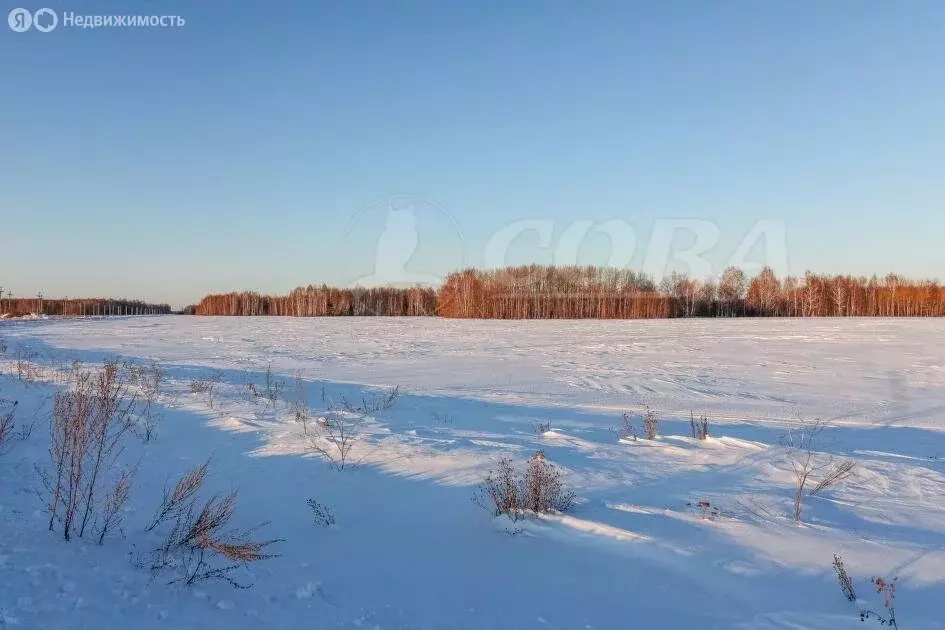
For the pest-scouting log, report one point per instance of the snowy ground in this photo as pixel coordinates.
(410, 549)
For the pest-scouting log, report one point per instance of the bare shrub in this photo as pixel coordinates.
(149, 379)
(846, 583)
(884, 587)
(176, 499)
(115, 504)
(372, 404)
(300, 409)
(338, 430)
(444, 418)
(207, 386)
(3, 346)
(833, 474)
(705, 509)
(25, 431)
(543, 490)
(809, 467)
(26, 370)
(201, 545)
(540, 428)
(335, 437)
(272, 387)
(90, 422)
(321, 513)
(699, 429)
(7, 423)
(538, 489)
(651, 424)
(199, 386)
(501, 491)
(887, 588)
(626, 431)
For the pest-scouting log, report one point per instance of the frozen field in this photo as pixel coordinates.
(411, 549)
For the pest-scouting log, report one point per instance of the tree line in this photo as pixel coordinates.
(78, 307)
(320, 301)
(575, 292)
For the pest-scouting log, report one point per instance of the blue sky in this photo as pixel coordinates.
(262, 145)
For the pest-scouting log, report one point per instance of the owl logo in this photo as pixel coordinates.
(395, 247)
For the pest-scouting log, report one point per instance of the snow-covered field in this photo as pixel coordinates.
(411, 549)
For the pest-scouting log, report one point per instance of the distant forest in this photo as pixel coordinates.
(547, 292)
(78, 307)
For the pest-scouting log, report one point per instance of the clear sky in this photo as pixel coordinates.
(269, 144)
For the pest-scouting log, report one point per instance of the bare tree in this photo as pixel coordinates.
(732, 289)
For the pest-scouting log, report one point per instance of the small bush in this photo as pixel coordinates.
(7, 423)
(540, 428)
(886, 588)
(115, 504)
(807, 464)
(699, 429)
(335, 438)
(846, 583)
(651, 424)
(199, 386)
(501, 489)
(272, 387)
(339, 430)
(26, 370)
(543, 490)
(321, 513)
(538, 489)
(150, 380)
(89, 425)
(444, 418)
(626, 431)
(371, 404)
(200, 544)
(181, 495)
(300, 409)
(705, 509)
(207, 386)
